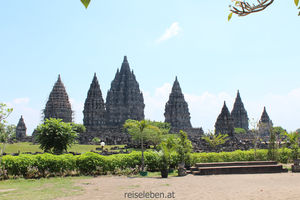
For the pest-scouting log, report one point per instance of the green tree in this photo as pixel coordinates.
(254, 130)
(215, 140)
(140, 130)
(240, 131)
(55, 136)
(166, 148)
(5, 131)
(79, 128)
(278, 130)
(154, 137)
(96, 140)
(273, 147)
(184, 148)
(292, 141)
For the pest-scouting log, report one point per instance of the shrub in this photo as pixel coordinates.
(92, 164)
(45, 165)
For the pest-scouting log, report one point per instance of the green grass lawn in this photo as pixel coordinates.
(48, 188)
(29, 147)
(37, 189)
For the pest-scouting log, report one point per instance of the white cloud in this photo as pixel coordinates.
(170, 32)
(155, 104)
(77, 108)
(24, 100)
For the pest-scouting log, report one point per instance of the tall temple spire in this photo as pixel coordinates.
(21, 129)
(176, 109)
(124, 100)
(239, 113)
(58, 105)
(265, 124)
(224, 123)
(94, 108)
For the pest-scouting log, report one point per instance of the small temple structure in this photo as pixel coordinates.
(21, 129)
(58, 105)
(94, 107)
(224, 123)
(239, 114)
(176, 109)
(124, 100)
(265, 124)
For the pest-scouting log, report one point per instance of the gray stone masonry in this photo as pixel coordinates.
(58, 105)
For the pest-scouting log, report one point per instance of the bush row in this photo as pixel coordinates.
(43, 165)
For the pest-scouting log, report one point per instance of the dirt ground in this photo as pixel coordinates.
(283, 186)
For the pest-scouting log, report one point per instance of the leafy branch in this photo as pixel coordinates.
(244, 8)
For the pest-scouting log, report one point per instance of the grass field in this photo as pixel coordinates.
(49, 188)
(36, 189)
(29, 147)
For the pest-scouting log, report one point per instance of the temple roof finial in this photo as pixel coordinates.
(125, 59)
(125, 66)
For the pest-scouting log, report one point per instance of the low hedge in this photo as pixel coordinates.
(44, 165)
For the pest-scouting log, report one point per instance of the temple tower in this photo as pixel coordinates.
(58, 105)
(176, 109)
(21, 129)
(265, 124)
(224, 123)
(124, 100)
(94, 108)
(239, 114)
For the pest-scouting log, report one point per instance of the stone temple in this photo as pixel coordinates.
(21, 130)
(178, 115)
(124, 100)
(176, 109)
(265, 124)
(94, 108)
(224, 123)
(58, 105)
(239, 114)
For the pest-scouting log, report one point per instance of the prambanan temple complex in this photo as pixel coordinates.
(124, 100)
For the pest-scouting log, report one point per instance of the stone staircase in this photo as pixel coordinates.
(248, 167)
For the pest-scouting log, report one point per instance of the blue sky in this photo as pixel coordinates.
(257, 54)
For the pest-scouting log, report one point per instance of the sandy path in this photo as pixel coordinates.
(284, 186)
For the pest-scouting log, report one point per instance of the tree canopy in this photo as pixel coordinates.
(55, 136)
(6, 131)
